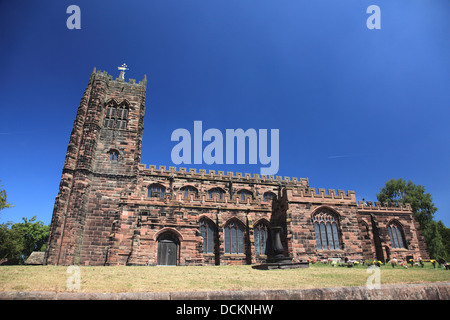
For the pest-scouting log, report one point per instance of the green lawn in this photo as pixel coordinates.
(163, 279)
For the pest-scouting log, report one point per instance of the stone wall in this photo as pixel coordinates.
(377, 216)
(91, 183)
(423, 291)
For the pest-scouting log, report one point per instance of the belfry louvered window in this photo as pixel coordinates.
(116, 116)
(326, 231)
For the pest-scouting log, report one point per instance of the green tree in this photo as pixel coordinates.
(11, 245)
(435, 244)
(18, 240)
(402, 192)
(445, 234)
(399, 191)
(3, 201)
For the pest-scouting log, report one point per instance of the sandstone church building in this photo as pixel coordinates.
(113, 210)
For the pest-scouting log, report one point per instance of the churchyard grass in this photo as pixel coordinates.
(205, 278)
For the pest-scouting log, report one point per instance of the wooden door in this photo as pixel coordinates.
(167, 253)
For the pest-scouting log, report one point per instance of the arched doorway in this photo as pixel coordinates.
(168, 245)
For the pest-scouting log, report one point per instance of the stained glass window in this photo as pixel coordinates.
(326, 231)
(260, 236)
(234, 238)
(207, 231)
(396, 235)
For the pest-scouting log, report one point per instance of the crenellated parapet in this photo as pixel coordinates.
(220, 175)
(378, 206)
(322, 195)
(98, 74)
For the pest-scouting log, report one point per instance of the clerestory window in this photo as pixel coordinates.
(187, 190)
(216, 192)
(156, 191)
(244, 194)
(268, 196)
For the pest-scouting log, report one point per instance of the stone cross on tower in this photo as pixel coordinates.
(122, 69)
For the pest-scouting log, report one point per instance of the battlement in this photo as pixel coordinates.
(378, 206)
(220, 175)
(103, 74)
(309, 194)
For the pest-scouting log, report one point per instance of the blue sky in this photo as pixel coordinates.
(355, 107)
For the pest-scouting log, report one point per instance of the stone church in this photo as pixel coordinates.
(113, 210)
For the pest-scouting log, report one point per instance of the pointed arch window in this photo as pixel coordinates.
(116, 116)
(323, 235)
(396, 235)
(326, 229)
(335, 236)
(260, 236)
(234, 238)
(156, 191)
(207, 231)
(317, 232)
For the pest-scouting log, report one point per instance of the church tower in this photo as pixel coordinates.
(101, 162)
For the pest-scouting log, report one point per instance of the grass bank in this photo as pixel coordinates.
(164, 279)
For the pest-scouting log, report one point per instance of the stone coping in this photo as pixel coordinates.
(426, 291)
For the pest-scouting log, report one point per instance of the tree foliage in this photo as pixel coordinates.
(402, 192)
(435, 243)
(445, 235)
(19, 240)
(398, 191)
(10, 244)
(3, 201)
